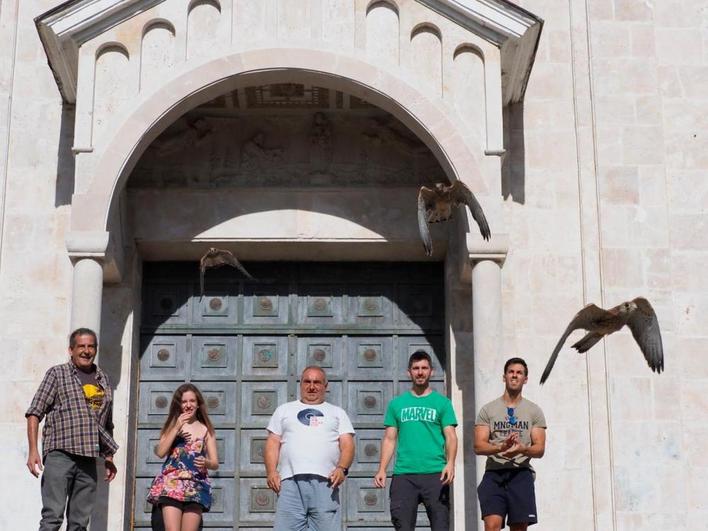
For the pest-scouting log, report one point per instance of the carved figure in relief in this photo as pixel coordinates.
(255, 156)
(380, 132)
(437, 204)
(195, 134)
(321, 142)
(637, 314)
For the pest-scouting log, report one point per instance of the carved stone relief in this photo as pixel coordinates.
(256, 157)
(281, 137)
(196, 132)
(320, 143)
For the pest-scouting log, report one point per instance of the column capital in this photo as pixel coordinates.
(87, 244)
(475, 250)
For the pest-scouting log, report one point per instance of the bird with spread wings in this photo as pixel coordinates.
(637, 314)
(437, 204)
(217, 258)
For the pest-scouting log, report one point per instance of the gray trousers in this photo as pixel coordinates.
(68, 482)
(307, 502)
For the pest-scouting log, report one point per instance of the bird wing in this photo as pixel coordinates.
(217, 258)
(231, 260)
(583, 319)
(645, 328)
(423, 221)
(225, 257)
(203, 265)
(463, 195)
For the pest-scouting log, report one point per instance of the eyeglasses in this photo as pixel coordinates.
(512, 418)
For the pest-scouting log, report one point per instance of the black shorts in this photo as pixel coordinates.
(184, 506)
(409, 490)
(509, 494)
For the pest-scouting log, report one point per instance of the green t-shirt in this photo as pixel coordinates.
(420, 422)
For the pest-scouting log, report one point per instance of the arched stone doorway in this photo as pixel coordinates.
(362, 229)
(325, 184)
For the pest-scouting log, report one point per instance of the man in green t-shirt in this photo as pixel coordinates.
(423, 423)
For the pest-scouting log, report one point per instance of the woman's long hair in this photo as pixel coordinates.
(176, 408)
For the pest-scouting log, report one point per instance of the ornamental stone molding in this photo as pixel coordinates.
(515, 31)
(132, 67)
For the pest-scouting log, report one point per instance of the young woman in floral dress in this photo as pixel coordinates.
(182, 489)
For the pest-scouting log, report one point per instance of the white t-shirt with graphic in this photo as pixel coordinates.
(309, 437)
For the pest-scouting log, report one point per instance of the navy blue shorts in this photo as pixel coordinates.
(509, 494)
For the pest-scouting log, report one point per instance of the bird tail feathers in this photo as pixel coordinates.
(587, 342)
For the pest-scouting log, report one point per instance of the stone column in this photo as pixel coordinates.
(87, 294)
(487, 324)
(483, 263)
(87, 251)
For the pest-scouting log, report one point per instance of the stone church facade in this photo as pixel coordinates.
(136, 134)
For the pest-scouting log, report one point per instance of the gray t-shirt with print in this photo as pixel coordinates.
(502, 420)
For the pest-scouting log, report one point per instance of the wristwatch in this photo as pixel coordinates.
(345, 470)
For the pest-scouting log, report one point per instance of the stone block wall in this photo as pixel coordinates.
(611, 149)
(35, 272)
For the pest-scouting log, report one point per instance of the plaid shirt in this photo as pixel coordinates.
(71, 425)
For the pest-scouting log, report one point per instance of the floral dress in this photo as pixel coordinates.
(180, 479)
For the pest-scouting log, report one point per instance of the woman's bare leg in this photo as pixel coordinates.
(191, 518)
(172, 517)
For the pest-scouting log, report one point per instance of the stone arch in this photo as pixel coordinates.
(150, 66)
(112, 46)
(426, 27)
(154, 112)
(467, 47)
(382, 3)
(159, 23)
(196, 3)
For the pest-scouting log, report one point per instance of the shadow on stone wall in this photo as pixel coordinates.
(514, 165)
(118, 307)
(65, 158)
(378, 215)
(458, 307)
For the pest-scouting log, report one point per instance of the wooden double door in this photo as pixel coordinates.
(245, 344)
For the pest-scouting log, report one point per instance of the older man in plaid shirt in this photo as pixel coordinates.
(75, 399)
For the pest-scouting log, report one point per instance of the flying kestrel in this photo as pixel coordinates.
(637, 314)
(437, 204)
(217, 258)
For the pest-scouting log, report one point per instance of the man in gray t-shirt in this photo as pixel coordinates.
(509, 431)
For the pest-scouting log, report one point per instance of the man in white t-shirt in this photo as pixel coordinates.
(308, 452)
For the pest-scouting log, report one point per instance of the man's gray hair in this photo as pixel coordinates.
(82, 332)
(315, 368)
